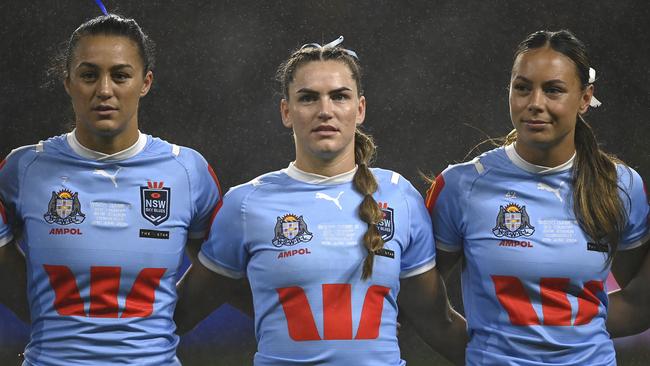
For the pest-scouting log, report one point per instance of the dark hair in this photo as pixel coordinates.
(364, 148)
(596, 202)
(113, 25)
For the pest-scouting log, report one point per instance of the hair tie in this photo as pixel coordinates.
(592, 79)
(332, 44)
(102, 7)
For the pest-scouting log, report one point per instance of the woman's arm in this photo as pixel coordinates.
(13, 280)
(629, 308)
(201, 291)
(447, 261)
(423, 300)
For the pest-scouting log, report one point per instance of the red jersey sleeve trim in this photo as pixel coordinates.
(219, 203)
(3, 213)
(434, 192)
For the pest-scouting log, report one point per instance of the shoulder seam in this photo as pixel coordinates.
(408, 207)
(21, 178)
(176, 157)
(242, 212)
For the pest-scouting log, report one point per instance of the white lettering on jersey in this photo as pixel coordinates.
(112, 177)
(555, 191)
(511, 194)
(324, 196)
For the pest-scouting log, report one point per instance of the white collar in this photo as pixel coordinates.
(532, 168)
(312, 178)
(100, 156)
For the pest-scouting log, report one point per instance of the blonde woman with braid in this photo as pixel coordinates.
(540, 222)
(328, 242)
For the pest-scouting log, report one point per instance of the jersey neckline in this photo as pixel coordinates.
(87, 153)
(311, 178)
(516, 159)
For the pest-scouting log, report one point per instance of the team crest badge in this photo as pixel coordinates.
(386, 225)
(64, 208)
(154, 202)
(513, 221)
(291, 230)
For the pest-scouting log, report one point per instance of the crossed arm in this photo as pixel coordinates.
(423, 300)
(201, 291)
(629, 307)
(13, 280)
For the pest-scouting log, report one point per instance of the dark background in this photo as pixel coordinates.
(436, 78)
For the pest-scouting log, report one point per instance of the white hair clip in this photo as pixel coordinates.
(592, 79)
(332, 44)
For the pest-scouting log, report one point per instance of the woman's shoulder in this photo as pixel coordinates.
(27, 153)
(262, 182)
(628, 178)
(477, 166)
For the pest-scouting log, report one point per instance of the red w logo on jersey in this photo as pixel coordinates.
(104, 287)
(337, 313)
(556, 307)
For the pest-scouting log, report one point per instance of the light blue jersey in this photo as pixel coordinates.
(104, 239)
(298, 239)
(533, 283)
(5, 230)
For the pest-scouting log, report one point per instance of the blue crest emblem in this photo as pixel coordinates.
(291, 230)
(513, 221)
(64, 208)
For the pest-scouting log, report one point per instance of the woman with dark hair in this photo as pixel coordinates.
(105, 212)
(328, 242)
(540, 221)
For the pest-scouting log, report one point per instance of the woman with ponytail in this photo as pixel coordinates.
(328, 242)
(540, 222)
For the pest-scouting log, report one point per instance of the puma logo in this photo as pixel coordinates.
(328, 198)
(112, 177)
(555, 191)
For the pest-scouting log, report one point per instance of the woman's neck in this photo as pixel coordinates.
(325, 167)
(110, 144)
(551, 157)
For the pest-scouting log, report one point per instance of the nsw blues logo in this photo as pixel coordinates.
(513, 221)
(154, 202)
(386, 226)
(64, 208)
(291, 230)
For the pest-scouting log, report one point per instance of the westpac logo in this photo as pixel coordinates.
(556, 307)
(104, 288)
(337, 313)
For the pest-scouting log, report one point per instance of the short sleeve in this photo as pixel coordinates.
(419, 255)
(224, 251)
(443, 204)
(205, 195)
(10, 173)
(5, 231)
(634, 197)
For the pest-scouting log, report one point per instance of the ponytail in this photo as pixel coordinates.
(596, 202)
(366, 184)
